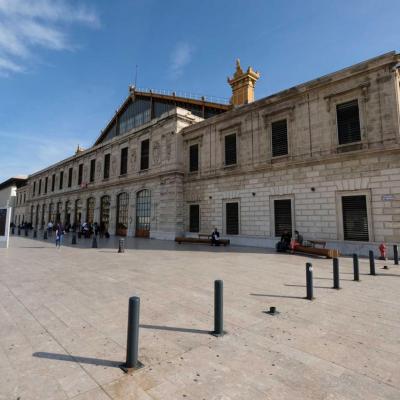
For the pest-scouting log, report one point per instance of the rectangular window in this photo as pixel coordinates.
(53, 182)
(283, 216)
(348, 120)
(106, 173)
(61, 180)
(279, 138)
(232, 218)
(144, 154)
(40, 186)
(80, 173)
(34, 189)
(194, 158)
(92, 170)
(24, 198)
(46, 181)
(124, 161)
(355, 218)
(230, 149)
(70, 177)
(194, 218)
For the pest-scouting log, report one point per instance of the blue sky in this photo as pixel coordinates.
(65, 65)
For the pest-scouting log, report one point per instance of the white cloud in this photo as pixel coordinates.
(26, 25)
(180, 57)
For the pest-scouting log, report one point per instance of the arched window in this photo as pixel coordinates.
(51, 206)
(58, 213)
(78, 211)
(68, 209)
(104, 214)
(37, 216)
(122, 214)
(143, 213)
(43, 214)
(90, 204)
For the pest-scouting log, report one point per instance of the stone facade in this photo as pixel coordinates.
(314, 174)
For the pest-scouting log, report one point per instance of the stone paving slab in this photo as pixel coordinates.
(63, 323)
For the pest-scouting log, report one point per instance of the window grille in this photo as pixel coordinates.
(194, 218)
(194, 158)
(279, 138)
(232, 218)
(355, 218)
(230, 149)
(348, 120)
(144, 154)
(283, 216)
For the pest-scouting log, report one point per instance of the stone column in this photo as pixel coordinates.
(96, 216)
(113, 214)
(132, 213)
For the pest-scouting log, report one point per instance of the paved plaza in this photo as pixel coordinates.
(63, 321)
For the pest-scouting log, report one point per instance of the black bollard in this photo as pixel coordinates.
(396, 254)
(45, 235)
(132, 346)
(19, 231)
(73, 239)
(121, 247)
(371, 263)
(218, 308)
(94, 242)
(356, 270)
(34, 233)
(309, 280)
(336, 284)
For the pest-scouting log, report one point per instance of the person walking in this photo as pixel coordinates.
(59, 235)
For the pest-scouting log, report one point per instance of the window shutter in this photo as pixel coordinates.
(355, 218)
(194, 218)
(279, 138)
(232, 218)
(194, 158)
(283, 216)
(230, 149)
(348, 120)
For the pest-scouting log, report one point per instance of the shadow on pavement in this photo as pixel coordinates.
(78, 359)
(174, 329)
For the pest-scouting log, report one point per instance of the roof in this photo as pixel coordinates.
(203, 101)
(17, 181)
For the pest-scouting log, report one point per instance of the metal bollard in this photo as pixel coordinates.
(396, 254)
(34, 233)
(73, 239)
(45, 235)
(356, 270)
(309, 280)
(371, 263)
(132, 346)
(336, 284)
(121, 247)
(218, 308)
(94, 242)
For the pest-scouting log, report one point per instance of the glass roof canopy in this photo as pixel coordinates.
(143, 106)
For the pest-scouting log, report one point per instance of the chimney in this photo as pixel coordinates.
(242, 85)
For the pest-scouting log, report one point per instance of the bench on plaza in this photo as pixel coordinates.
(318, 251)
(202, 239)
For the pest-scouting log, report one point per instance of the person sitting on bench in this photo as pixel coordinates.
(215, 238)
(296, 241)
(284, 243)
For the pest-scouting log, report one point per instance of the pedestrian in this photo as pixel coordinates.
(59, 235)
(49, 228)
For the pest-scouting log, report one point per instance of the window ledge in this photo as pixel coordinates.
(230, 166)
(354, 146)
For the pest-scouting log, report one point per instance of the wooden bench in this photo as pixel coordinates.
(329, 253)
(316, 243)
(204, 236)
(181, 239)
